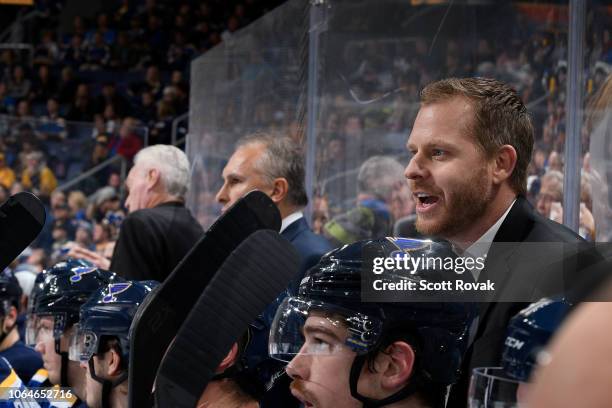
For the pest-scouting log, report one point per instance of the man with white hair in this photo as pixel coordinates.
(159, 229)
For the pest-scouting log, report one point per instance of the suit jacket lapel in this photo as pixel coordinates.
(512, 232)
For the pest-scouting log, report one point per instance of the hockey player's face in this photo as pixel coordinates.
(241, 175)
(52, 361)
(93, 389)
(450, 176)
(45, 345)
(320, 372)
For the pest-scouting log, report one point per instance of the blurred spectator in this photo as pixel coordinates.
(380, 182)
(179, 52)
(7, 175)
(44, 85)
(52, 127)
(77, 202)
(129, 142)
(107, 34)
(320, 213)
(7, 102)
(97, 54)
(551, 191)
(555, 162)
(104, 246)
(110, 96)
(65, 226)
(105, 200)
(16, 188)
(58, 197)
(161, 131)
(47, 51)
(549, 202)
(147, 111)
(67, 86)
(82, 108)
(37, 177)
(152, 83)
(84, 235)
(19, 86)
(74, 55)
(123, 54)
(4, 193)
(53, 111)
(101, 152)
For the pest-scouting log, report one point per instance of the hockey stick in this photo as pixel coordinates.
(251, 278)
(22, 217)
(161, 315)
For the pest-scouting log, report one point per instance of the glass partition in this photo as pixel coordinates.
(360, 65)
(596, 134)
(253, 81)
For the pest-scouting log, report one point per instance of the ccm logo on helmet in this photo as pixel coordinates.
(514, 343)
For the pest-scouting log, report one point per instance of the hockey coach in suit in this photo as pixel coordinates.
(471, 144)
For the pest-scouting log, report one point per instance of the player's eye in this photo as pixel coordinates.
(437, 152)
(320, 345)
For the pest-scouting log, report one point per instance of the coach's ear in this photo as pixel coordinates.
(505, 162)
(280, 189)
(153, 178)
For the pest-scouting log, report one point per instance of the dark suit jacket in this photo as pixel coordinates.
(310, 246)
(152, 241)
(507, 264)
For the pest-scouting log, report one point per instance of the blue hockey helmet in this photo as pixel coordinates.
(438, 331)
(10, 291)
(65, 287)
(528, 334)
(109, 313)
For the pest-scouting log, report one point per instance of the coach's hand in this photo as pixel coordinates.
(77, 251)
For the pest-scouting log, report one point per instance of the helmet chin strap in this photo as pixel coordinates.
(356, 368)
(63, 364)
(107, 385)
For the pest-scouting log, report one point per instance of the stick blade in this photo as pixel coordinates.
(22, 217)
(250, 279)
(160, 316)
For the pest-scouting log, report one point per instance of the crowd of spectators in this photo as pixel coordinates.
(115, 82)
(107, 85)
(371, 107)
